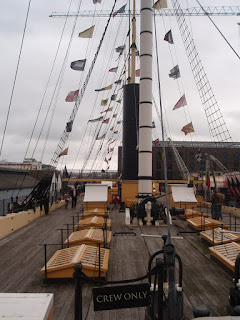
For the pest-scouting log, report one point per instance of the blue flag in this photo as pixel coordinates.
(78, 65)
(121, 10)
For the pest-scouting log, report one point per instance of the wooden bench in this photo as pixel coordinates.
(215, 236)
(226, 253)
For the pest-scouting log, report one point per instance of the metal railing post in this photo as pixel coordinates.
(99, 259)
(62, 238)
(78, 290)
(45, 262)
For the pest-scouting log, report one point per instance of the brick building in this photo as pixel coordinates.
(227, 153)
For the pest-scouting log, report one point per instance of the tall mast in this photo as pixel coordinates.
(145, 101)
(129, 43)
(133, 46)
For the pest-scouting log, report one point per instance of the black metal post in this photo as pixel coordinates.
(68, 235)
(161, 277)
(78, 290)
(62, 238)
(45, 263)
(99, 259)
(213, 235)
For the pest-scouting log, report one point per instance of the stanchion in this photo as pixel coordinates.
(99, 259)
(78, 290)
(45, 263)
(62, 238)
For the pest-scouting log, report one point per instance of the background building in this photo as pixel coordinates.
(227, 153)
(28, 164)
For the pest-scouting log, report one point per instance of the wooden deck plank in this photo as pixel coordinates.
(204, 281)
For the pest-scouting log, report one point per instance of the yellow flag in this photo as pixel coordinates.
(108, 109)
(160, 4)
(188, 128)
(88, 33)
(104, 102)
(63, 153)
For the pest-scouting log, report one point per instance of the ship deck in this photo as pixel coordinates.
(205, 282)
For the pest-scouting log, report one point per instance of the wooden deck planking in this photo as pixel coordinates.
(22, 259)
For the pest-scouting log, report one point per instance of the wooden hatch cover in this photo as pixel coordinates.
(89, 236)
(190, 213)
(89, 206)
(218, 236)
(226, 253)
(202, 223)
(94, 212)
(95, 222)
(61, 264)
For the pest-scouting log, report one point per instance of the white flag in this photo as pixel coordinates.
(181, 103)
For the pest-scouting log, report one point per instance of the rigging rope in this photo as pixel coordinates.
(218, 127)
(162, 127)
(55, 89)
(48, 81)
(59, 83)
(218, 29)
(40, 107)
(15, 77)
(65, 134)
(98, 130)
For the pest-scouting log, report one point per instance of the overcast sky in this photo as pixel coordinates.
(42, 36)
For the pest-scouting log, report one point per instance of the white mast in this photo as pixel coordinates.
(145, 101)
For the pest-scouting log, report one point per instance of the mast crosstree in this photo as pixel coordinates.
(195, 11)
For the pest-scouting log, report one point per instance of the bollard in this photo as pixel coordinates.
(78, 290)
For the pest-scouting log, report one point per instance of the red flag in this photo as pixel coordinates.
(156, 142)
(113, 69)
(181, 103)
(106, 121)
(72, 96)
(208, 184)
